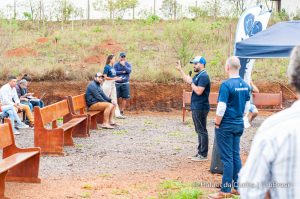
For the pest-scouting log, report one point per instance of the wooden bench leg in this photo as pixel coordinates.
(27, 171)
(68, 140)
(81, 130)
(2, 184)
(99, 117)
(93, 122)
(50, 141)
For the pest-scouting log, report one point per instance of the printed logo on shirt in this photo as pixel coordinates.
(241, 89)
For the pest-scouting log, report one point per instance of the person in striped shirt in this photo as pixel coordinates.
(273, 165)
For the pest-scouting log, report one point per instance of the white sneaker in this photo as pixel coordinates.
(120, 117)
(22, 126)
(16, 132)
(246, 122)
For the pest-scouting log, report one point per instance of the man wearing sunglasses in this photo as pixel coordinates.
(200, 84)
(123, 70)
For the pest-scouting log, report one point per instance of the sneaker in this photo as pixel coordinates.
(194, 156)
(31, 126)
(16, 132)
(120, 116)
(199, 158)
(246, 122)
(22, 126)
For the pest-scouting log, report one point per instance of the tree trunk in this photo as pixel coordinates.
(133, 17)
(15, 9)
(154, 9)
(88, 10)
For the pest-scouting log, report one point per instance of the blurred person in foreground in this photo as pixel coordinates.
(272, 167)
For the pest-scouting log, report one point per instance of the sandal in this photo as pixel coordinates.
(107, 127)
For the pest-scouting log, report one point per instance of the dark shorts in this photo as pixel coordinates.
(123, 91)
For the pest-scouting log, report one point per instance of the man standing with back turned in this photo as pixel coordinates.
(233, 103)
(199, 103)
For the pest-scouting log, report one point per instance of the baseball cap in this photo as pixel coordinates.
(99, 75)
(122, 54)
(198, 59)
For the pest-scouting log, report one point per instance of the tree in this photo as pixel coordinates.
(170, 8)
(239, 6)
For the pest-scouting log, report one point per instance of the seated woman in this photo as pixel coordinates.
(13, 116)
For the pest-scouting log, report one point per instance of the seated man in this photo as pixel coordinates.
(97, 101)
(253, 112)
(9, 96)
(25, 97)
(9, 111)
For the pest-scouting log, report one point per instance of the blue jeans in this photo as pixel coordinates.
(228, 141)
(12, 114)
(200, 120)
(36, 102)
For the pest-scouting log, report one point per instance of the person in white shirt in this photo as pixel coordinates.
(9, 96)
(273, 165)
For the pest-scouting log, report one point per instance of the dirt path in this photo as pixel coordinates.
(128, 162)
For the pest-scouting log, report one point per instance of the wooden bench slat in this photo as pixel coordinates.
(72, 123)
(13, 160)
(79, 107)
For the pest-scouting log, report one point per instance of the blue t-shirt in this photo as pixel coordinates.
(109, 71)
(201, 102)
(235, 92)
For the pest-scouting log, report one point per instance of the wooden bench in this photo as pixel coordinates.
(186, 102)
(268, 101)
(79, 107)
(52, 138)
(17, 165)
(261, 100)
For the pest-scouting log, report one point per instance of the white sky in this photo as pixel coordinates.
(143, 4)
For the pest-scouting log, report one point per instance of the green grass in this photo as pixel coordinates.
(120, 132)
(152, 48)
(87, 187)
(120, 192)
(172, 189)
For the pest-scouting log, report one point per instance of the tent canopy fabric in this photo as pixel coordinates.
(274, 42)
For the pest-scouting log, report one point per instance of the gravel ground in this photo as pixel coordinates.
(141, 143)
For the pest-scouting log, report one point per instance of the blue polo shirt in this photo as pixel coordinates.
(109, 71)
(235, 92)
(201, 102)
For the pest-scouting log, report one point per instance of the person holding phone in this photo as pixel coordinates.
(200, 85)
(123, 70)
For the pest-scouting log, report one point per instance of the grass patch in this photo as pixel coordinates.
(120, 192)
(85, 195)
(120, 132)
(105, 175)
(78, 145)
(176, 133)
(173, 189)
(87, 187)
(171, 184)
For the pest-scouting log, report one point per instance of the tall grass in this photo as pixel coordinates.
(152, 48)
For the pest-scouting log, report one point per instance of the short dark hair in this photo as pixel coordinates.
(11, 77)
(294, 69)
(109, 58)
(27, 78)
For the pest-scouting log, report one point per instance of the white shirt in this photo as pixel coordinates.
(274, 160)
(8, 95)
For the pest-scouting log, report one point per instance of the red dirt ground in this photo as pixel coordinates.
(127, 185)
(21, 52)
(42, 40)
(108, 46)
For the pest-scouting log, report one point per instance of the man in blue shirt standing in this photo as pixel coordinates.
(123, 70)
(233, 103)
(200, 84)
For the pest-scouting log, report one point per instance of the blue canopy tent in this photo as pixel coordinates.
(274, 42)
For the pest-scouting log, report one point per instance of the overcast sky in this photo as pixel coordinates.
(143, 5)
